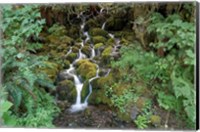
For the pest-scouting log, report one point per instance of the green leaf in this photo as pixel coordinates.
(5, 105)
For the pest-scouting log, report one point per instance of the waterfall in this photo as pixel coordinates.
(78, 106)
(103, 26)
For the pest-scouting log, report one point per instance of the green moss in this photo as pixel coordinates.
(124, 116)
(98, 45)
(67, 40)
(66, 64)
(91, 23)
(106, 55)
(66, 90)
(124, 42)
(75, 49)
(71, 57)
(155, 120)
(107, 51)
(98, 39)
(110, 41)
(85, 90)
(86, 50)
(86, 69)
(74, 31)
(98, 32)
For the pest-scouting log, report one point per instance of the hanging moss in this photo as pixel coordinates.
(85, 90)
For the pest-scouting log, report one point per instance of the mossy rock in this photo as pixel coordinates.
(110, 41)
(86, 69)
(155, 120)
(67, 40)
(124, 116)
(106, 54)
(71, 57)
(61, 48)
(51, 70)
(74, 31)
(98, 39)
(66, 91)
(100, 83)
(98, 32)
(91, 23)
(66, 64)
(75, 49)
(98, 45)
(97, 97)
(79, 40)
(86, 50)
(85, 90)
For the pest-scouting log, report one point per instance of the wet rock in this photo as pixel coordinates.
(66, 91)
(116, 55)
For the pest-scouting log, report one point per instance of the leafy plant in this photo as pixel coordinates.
(20, 64)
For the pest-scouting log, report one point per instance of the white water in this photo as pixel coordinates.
(78, 106)
(103, 26)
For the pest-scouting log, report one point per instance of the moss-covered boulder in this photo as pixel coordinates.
(85, 90)
(66, 91)
(91, 23)
(71, 57)
(155, 120)
(98, 45)
(86, 69)
(106, 54)
(86, 50)
(74, 31)
(98, 32)
(110, 41)
(75, 49)
(66, 64)
(98, 39)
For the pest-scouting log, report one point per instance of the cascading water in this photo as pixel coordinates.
(78, 106)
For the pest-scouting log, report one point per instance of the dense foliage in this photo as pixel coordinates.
(20, 68)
